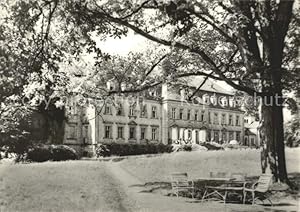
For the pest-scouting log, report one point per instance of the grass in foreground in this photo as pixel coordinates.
(200, 164)
(59, 186)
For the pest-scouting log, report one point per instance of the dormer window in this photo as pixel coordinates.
(107, 110)
(224, 102)
(213, 100)
(206, 99)
(232, 102)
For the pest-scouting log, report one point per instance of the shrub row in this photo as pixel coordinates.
(105, 150)
(43, 153)
(211, 146)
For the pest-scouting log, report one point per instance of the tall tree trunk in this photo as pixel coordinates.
(279, 140)
(271, 134)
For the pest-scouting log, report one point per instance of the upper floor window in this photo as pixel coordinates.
(107, 133)
(181, 114)
(202, 116)
(188, 114)
(230, 122)
(119, 110)
(209, 118)
(131, 110)
(223, 118)
(144, 111)
(237, 120)
(154, 112)
(173, 113)
(196, 115)
(216, 121)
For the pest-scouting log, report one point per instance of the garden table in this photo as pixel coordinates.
(227, 184)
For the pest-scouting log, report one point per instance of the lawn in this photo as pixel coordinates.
(107, 186)
(200, 164)
(60, 186)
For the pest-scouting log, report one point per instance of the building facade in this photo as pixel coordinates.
(251, 132)
(165, 115)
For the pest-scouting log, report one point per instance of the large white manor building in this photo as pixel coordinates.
(165, 115)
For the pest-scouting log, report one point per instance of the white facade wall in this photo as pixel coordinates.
(168, 128)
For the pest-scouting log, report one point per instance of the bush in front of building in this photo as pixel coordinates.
(116, 149)
(42, 153)
(211, 146)
(63, 152)
(39, 154)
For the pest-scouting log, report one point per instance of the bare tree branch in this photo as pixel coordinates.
(199, 87)
(155, 64)
(136, 10)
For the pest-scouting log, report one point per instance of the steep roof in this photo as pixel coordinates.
(210, 85)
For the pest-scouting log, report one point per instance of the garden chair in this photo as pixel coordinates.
(180, 182)
(260, 189)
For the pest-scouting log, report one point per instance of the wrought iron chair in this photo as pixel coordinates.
(260, 189)
(180, 182)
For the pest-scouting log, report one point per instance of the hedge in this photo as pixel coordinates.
(43, 153)
(116, 149)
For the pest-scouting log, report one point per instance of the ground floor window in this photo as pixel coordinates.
(216, 136)
(107, 133)
(189, 134)
(238, 136)
(154, 133)
(143, 133)
(230, 136)
(120, 132)
(131, 132)
(197, 137)
(224, 136)
(252, 141)
(209, 135)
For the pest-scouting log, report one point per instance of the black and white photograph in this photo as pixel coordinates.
(149, 105)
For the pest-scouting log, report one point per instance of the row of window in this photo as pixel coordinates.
(216, 136)
(200, 117)
(132, 133)
(180, 115)
(132, 111)
(224, 121)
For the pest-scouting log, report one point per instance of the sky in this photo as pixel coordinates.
(132, 42)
